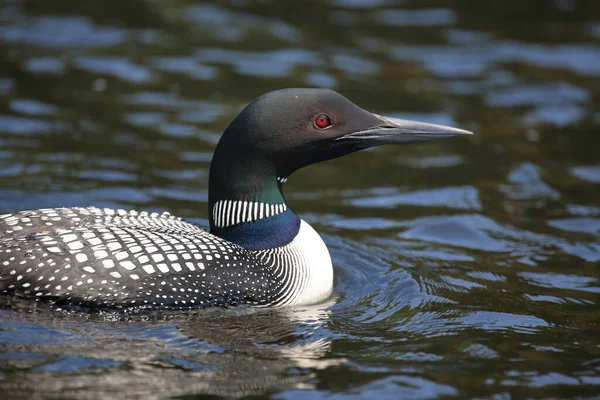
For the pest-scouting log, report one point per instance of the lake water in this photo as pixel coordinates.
(468, 267)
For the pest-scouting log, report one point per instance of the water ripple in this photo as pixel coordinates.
(588, 173)
(465, 197)
(562, 281)
(62, 32)
(470, 231)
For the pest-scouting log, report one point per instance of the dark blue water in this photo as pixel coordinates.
(464, 268)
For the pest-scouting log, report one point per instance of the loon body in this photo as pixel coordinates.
(258, 251)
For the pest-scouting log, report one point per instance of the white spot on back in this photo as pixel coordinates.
(128, 265)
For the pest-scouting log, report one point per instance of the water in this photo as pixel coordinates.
(464, 268)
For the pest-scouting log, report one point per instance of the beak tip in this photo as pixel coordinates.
(462, 132)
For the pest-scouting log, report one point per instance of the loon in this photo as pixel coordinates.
(258, 251)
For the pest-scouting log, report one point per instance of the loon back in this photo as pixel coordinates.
(258, 251)
(113, 258)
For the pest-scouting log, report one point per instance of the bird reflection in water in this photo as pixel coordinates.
(231, 352)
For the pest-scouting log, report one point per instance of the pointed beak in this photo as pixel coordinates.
(398, 131)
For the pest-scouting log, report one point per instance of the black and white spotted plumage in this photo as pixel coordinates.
(114, 259)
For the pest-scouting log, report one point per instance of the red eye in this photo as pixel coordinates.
(322, 121)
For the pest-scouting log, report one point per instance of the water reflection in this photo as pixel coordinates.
(464, 268)
(219, 352)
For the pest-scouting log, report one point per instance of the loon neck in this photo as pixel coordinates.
(246, 202)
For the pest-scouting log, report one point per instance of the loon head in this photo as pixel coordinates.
(279, 133)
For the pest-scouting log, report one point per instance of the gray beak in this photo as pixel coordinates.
(398, 131)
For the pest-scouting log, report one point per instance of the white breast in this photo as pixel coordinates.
(306, 267)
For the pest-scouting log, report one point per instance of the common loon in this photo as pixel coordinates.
(258, 251)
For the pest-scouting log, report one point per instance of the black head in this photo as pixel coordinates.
(279, 133)
(292, 128)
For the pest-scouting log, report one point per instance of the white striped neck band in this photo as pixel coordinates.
(232, 212)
